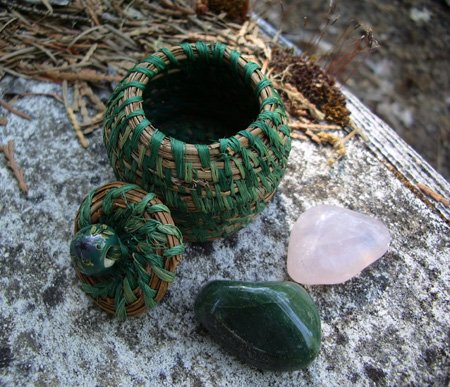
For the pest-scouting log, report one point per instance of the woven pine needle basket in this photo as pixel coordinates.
(153, 243)
(205, 130)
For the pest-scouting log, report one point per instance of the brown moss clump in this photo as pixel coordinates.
(236, 10)
(317, 86)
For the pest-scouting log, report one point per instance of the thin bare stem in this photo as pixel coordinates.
(8, 151)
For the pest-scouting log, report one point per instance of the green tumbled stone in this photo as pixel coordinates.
(270, 325)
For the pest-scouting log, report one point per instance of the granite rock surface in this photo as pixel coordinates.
(387, 326)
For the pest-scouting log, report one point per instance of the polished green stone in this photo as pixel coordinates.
(270, 325)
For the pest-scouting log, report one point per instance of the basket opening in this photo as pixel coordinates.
(199, 104)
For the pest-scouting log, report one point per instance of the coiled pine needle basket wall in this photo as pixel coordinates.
(154, 248)
(205, 130)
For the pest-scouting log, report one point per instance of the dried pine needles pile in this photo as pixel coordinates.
(89, 45)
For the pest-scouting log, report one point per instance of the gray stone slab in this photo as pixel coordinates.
(387, 326)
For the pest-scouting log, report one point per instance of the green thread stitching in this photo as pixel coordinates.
(257, 167)
(142, 236)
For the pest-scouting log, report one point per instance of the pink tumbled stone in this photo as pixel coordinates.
(330, 245)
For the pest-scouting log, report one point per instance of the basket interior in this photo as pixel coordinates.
(199, 103)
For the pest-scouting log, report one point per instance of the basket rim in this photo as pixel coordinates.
(178, 52)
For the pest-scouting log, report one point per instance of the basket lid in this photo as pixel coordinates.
(125, 249)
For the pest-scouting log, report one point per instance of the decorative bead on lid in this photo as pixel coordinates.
(95, 249)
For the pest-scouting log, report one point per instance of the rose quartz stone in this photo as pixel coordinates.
(330, 245)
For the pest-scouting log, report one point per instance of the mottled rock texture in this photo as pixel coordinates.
(388, 326)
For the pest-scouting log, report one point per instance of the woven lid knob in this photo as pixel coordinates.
(95, 249)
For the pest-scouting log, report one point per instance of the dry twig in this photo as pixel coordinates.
(298, 101)
(433, 194)
(313, 126)
(299, 136)
(8, 151)
(13, 110)
(72, 117)
(52, 95)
